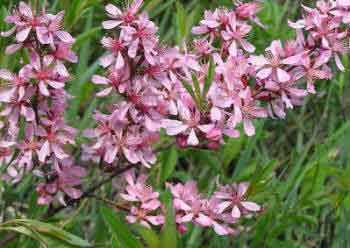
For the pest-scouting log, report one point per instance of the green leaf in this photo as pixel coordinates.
(119, 230)
(210, 78)
(149, 236)
(169, 232)
(181, 23)
(82, 38)
(197, 88)
(231, 151)
(190, 91)
(169, 161)
(44, 233)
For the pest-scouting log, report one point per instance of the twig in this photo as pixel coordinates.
(10, 237)
(89, 192)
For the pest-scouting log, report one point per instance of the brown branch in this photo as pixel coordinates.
(10, 237)
(89, 192)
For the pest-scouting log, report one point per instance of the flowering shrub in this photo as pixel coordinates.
(199, 94)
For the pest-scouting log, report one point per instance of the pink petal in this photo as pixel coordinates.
(339, 63)
(13, 48)
(258, 60)
(236, 213)
(282, 75)
(61, 69)
(151, 205)
(110, 24)
(42, 34)
(179, 204)
(58, 151)
(43, 89)
(248, 127)
(156, 220)
(264, 73)
(7, 95)
(107, 60)
(173, 127)
(28, 113)
(247, 46)
(233, 49)
(23, 34)
(65, 37)
(119, 62)
(185, 218)
(192, 139)
(44, 151)
(9, 32)
(293, 60)
(220, 229)
(223, 206)
(131, 156)
(72, 192)
(133, 48)
(6, 75)
(251, 206)
(99, 80)
(25, 10)
(242, 189)
(113, 10)
(203, 220)
(110, 155)
(55, 84)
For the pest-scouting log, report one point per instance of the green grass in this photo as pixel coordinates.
(299, 167)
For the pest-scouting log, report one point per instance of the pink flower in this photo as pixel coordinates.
(233, 197)
(189, 124)
(208, 25)
(48, 34)
(313, 72)
(247, 111)
(272, 66)
(6, 152)
(249, 10)
(55, 135)
(137, 191)
(219, 222)
(147, 199)
(17, 103)
(113, 140)
(121, 18)
(66, 177)
(116, 80)
(144, 217)
(63, 52)
(28, 148)
(116, 47)
(235, 34)
(24, 22)
(342, 10)
(142, 36)
(288, 92)
(44, 74)
(188, 204)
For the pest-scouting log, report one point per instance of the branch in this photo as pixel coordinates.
(89, 192)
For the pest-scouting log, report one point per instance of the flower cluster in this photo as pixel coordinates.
(202, 95)
(33, 101)
(172, 88)
(222, 211)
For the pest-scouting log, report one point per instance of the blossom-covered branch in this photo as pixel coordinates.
(33, 101)
(201, 95)
(221, 211)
